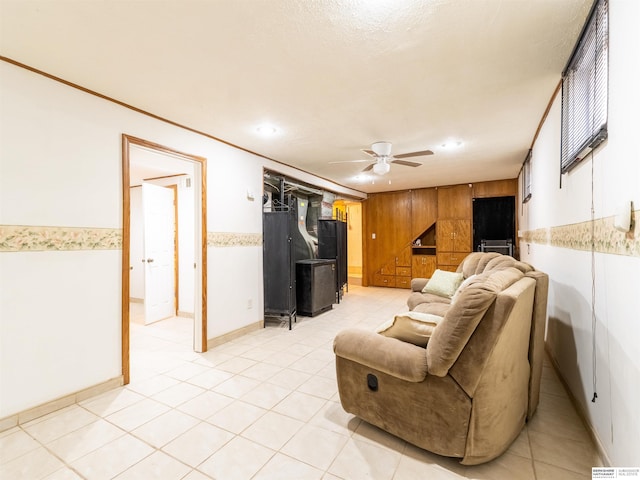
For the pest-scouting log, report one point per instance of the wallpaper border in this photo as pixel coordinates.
(25, 238)
(227, 239)
(577, 236)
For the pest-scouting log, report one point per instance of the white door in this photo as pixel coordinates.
(159, 250)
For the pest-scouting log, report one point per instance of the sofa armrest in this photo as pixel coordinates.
(417, 284)
(394, 357)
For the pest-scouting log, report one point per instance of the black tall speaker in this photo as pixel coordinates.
(332, 243)
(279, 274)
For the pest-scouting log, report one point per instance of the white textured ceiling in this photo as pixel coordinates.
(333, 75)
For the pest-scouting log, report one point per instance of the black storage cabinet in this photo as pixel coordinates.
(315, 286)
(278, 265)
(332, 244)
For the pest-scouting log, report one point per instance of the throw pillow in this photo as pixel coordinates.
(410, 327)
(443, 283)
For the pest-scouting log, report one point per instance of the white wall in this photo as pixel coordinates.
(616, 166)
(60, 164)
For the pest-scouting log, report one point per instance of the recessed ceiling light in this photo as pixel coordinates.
(452, 144)
(266, 130)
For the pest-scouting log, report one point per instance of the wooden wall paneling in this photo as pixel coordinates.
(388, 216)
(424, 210)
(496, 188)
(455, 202)
(377, 213)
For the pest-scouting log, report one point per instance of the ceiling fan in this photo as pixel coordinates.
(381, 152)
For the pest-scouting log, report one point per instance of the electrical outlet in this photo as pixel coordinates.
(249, 304)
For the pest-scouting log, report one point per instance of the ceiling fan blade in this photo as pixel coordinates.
(407, 163)
(352, 161)
(414, 154)
(369, 152)
(368, 168)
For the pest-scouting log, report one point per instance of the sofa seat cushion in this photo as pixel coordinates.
(416, 298)
(412, 327)
(434, 308)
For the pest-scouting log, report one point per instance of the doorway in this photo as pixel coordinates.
(494, 224)
(158, 167)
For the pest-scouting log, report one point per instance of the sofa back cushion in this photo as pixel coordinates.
(461, 319)
(483, 262)
(475, 262)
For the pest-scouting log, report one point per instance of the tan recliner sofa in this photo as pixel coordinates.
(470, 391)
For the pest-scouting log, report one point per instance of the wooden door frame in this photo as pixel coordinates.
(127, 141)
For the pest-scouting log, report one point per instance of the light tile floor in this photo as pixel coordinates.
(265, 406)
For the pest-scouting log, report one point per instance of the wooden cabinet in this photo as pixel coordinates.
(409, 234)
(453, 235)
(423, 266)
(453, 229)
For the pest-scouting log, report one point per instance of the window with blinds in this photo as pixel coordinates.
(526, 178)
(585, 90)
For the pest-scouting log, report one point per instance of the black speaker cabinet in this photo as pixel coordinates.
(315, 286)
(278, 264)
(332, 243)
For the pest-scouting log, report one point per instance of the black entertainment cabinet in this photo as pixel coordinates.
(315, 286)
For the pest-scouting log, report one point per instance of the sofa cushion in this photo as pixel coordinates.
(475, 262)
(462, 318)
(412, 327)
(417, 298)
(434, 308)
(462, 286)
(443, 283)
(399, 359)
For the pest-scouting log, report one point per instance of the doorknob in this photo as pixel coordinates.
(149, 260)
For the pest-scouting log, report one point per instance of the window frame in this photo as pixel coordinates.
(585, 86)
(526, 178)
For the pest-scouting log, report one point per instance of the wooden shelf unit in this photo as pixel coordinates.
(441, 218)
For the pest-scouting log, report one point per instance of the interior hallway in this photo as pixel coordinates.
(265, 406)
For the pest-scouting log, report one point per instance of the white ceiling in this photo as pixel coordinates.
(334, 76)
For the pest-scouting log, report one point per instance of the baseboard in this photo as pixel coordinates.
(606, 461)
(136, 300)
(186, 314)
(227, 337)
(59, 403)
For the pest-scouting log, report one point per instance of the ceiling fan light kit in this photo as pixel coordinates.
(381, 152)
(382, 167)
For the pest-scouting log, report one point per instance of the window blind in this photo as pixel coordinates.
(584, 90)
